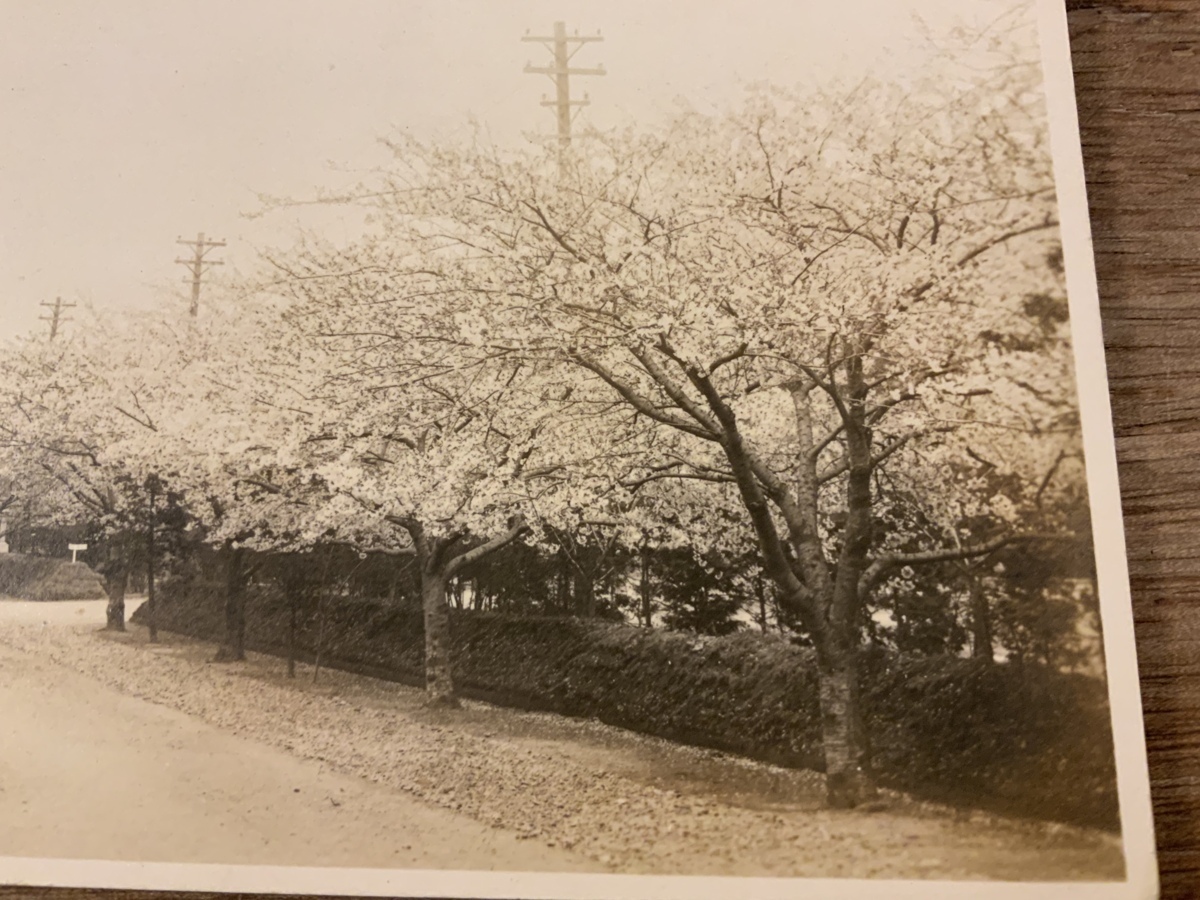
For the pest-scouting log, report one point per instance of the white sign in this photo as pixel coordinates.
(75, 548)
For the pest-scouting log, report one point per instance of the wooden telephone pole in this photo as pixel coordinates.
(56, 316)
(197, 264)
(560, 73)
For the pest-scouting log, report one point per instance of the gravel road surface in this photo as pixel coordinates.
(89, 772)
(114, 748)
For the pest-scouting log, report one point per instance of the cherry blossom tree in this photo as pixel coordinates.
(349, 404)
(71, 408)
(812, 302)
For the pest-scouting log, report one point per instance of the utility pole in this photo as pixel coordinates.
(56, 317)
(197, 264)
(560, 73)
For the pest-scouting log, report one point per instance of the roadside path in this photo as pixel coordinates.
(155, 749)
(88, 772)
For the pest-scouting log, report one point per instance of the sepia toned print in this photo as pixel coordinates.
(685, 481)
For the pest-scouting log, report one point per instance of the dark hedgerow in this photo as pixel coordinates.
(42, 578)
(1018, 739)
(1021, 740)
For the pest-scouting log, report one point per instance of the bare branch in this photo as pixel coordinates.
(844, 466)
(643, 404)
(880, 566)
(457, 564)
(146, 423)
(1007, 236)
(728, 358)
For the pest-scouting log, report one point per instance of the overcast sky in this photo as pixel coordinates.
(128, 124)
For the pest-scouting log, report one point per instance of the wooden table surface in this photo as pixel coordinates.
(1137, 70)
(1137, 74)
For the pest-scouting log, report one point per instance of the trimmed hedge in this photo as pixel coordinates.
(1024, 740)
(45, 579)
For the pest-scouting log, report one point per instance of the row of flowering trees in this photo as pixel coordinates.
(823, 333)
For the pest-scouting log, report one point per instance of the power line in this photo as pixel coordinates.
(197, 264)
(56, 317)
(560, 73)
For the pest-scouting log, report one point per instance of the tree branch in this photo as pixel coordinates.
(879, 457)
(460, 562)
(265, 485)
(728, 358)
(552, 231)
(671, 388)
(643, 404)
(881, 565)
(1050, 222)
(639, 483)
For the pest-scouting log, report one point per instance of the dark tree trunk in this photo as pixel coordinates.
(296, 586)
(151, 599)
(646, 596)
(234, 647)
(585, 595)
(293, 602)
(981, 622)
(151, 602)
(760, 592)
(322, 612)
(439, 676)
(562, 592)
(116, 579)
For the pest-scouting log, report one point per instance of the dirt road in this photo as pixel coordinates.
(115, 748)
(88, 772)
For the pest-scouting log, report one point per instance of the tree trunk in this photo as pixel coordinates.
(322, 613)
(981, 622)
(293, 602)
(562, 584)
(847, 783)
(647, 597)
(436, 571)
(827, 608)
(234, 647)
(151, 599)
(439, 677)
(116, 578)
(585, 591)
(151, 602)
(760, 591)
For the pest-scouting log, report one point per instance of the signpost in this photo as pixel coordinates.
(75, 548)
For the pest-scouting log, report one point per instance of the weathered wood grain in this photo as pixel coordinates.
(1137, 73)
(1137, 70)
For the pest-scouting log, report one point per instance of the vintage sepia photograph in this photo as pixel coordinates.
(545, 449)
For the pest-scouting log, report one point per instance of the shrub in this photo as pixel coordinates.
(1019, 740)
(44, 579)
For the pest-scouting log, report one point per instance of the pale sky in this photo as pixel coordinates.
(128, 124)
